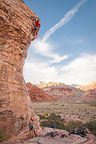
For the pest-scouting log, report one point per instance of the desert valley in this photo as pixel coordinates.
(65, 100)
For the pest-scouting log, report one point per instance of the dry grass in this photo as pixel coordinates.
(82, 111)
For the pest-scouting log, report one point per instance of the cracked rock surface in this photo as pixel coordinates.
(16, 34)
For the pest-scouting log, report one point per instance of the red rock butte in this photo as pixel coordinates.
(16, 32)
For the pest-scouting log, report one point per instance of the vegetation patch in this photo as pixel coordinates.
(72, 125)
(91, 126)
(52, 120)
(55, 121)
(2, 135)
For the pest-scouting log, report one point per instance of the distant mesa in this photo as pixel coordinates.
(49, 84)
(55, 90)
(69, 93)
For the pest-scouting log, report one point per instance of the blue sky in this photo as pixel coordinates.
(65, 50)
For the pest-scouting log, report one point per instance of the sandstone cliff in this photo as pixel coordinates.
(37, 94)
(16, 33)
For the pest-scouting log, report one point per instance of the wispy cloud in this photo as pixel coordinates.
(44, 47)
(67, 17)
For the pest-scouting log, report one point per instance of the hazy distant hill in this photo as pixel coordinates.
(49, 84)
(61, 90)
(74, 85)
(68, 93)
(91, 85)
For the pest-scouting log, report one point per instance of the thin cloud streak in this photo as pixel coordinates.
(45, 48)
(67, 17)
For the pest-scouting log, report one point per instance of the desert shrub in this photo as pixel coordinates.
(72, 125)
(43, 116)
(91, 126)
(2, 135)
(54, 120)
(56, 124)
(94, 104)
(53, 116)
(47, 123)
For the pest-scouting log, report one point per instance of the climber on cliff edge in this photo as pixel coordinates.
(37, 24)
(36, 27)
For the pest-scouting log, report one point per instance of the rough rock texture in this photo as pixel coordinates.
(72, 139)
(24, 134)
(16, 33)
(37, 94)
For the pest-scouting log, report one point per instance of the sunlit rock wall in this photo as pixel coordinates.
(16, 33)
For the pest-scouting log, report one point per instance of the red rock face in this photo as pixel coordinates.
(67, 93)
(61, 91)
(16, 33)
(90, 94)
(37, 94)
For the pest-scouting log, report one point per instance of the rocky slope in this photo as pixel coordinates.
(70, 93)
(37, 94)
(72, 139)
(16, 33)
(61, 91)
